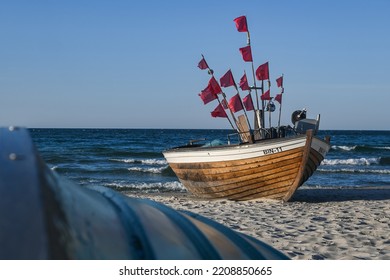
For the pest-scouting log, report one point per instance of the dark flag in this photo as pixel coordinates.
(215, 86)
(241, 24)
(203, 64)
(266, 95)
(244, 83)
(207, 95)
(246, 53)
(219, 111)
(278, 98)
(262, 72)
(227, 80)
(235, 103)
(248, 102)
(279, 81)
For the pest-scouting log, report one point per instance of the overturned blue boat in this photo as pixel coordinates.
(44, 216)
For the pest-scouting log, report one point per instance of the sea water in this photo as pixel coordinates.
(132, 159)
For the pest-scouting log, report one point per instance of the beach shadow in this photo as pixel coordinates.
(341, 194)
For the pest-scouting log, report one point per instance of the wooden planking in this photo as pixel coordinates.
(314, 161)
(238, 163)
(261, 189)
(184, 170)
(255, 178)
(200, 176)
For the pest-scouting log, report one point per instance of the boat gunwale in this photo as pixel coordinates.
(222, 147)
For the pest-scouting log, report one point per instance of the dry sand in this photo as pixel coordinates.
(333, 224)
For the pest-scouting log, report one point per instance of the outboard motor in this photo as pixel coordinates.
(298, 115)
(301, 124)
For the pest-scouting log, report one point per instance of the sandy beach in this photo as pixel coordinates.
(330, 224)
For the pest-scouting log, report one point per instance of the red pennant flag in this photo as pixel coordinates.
(207, 95)
(266, 95)
(244, 83)
(215, 86)
(219, 111)
(241, 24)
(203, 64)
(278, 98)
(235, 103)
(248, 102)
(246, 53)
(227, 80)
(279, 81)
(262, 72)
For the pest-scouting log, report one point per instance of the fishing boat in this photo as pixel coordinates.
(265, 162)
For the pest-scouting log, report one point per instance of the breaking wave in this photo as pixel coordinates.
(359, 148)
(142, 161)
(351, 161)
(148, 187)
(359, 171)
(155, 170)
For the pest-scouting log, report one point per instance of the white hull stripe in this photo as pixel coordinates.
(229, 153)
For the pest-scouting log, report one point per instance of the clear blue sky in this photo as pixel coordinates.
(133, 64)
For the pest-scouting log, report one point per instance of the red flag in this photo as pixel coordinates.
(248, 102)
(227, 80)
(278, 98)
(235, 103)
(244, 83)
(215, 86)
(262, 72)
(246, 53)
(219, 111)
(207, 95)
(241, 24)
(279, 81)
(266, 95)
(203, 64)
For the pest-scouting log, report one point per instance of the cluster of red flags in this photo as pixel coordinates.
(212, 90)
(235, 104)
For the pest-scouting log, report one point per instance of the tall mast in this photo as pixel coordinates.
(253, 71)
(242, 26)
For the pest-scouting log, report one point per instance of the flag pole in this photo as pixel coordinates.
(260, 123)
(280, 103)
(211, 72)
(269, 110)
(269, 104)
(262, 105)
(253, 71)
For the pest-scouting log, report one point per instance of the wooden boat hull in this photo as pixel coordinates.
(272, 168)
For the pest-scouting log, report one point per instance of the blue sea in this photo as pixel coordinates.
(131, 159)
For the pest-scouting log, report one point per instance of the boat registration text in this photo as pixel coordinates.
(272, 151)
